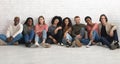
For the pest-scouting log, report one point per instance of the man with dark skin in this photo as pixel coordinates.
(14, 32)
(16, 22)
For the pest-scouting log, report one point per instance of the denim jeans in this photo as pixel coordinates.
(95, 36)
(29, 37)
(68, 37)
(57, 36)
(15, 39)
(44, 36)
(108, 40)
(82, 32)
(83, 40)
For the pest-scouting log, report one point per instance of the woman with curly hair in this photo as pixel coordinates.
(55, 31)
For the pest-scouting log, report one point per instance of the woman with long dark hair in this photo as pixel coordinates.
(67, 28)
(28, 31)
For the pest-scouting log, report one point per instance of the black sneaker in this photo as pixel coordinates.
(68, 44)
(117, 45)
(61, 44)
(112, 47)
(28, 44)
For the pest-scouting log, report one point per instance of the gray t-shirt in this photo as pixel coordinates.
(51, 30)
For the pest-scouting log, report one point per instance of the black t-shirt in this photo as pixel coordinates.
(103, 31)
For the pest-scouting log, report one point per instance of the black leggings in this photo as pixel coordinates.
(57, 36)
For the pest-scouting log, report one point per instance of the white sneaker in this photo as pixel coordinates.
(37, 45)
(88, 45)
(62, 44)
(58, 44)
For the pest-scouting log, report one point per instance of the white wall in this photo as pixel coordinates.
(49, 8)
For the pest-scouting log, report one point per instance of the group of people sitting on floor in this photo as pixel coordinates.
(62, 32)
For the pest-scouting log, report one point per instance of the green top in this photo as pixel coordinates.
(76, 29)
(26, 29)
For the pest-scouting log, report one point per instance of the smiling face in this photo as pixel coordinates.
(56, 21)
(16, 21)
(88, 21)
(66, 22)
(103, 19)
(77, 20)
(41, 20)
(30, 22)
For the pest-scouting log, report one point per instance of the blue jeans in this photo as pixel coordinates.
(4, 38)
(57, 36)
(82, 32)
(83, 40)
(29, 37)
(108, 40)
(95, 36)
(44, 36)
(68, 37)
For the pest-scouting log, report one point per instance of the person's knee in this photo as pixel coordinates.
(32, 32)
(20, 35)
(115, 32)
(94, 32)
(2, 35)
(82, 32)
(44, 31)
(102, 39)
(83, 29)
(59, 31)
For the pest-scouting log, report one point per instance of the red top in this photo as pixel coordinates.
(92, 28)
(39, 29)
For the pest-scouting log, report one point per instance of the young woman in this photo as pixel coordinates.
(55, 31)
(108, 32)
(28, 31)
(41, 32)
(67, 28)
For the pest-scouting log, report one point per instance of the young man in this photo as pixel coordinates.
(92, 30)
(78, 32)
(108, 32)
(14, 33)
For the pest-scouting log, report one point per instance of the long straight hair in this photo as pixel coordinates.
(104, 16)
(27, 21)
(69, 24)
(39, 20)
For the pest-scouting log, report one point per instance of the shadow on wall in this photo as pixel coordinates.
(119, 31)
(118, 28)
